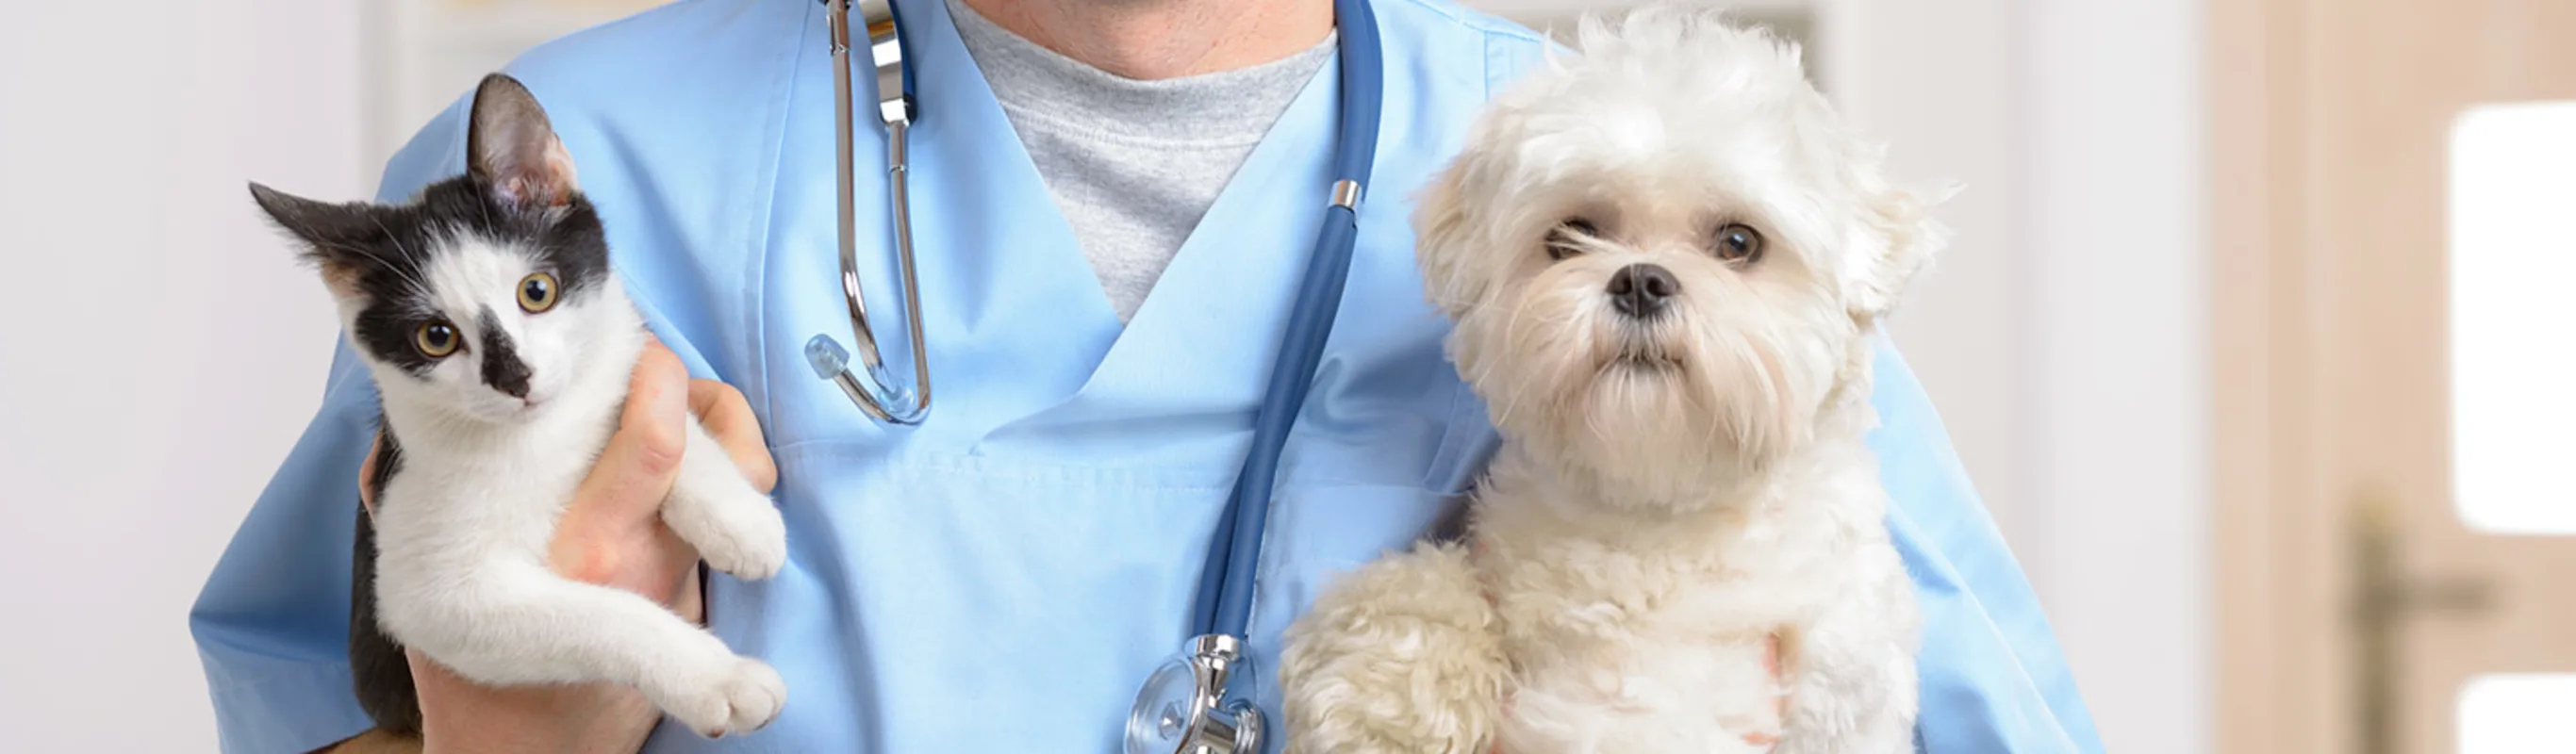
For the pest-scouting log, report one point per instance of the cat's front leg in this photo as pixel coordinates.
(1403, 656)
(514, 624)
(735, 527)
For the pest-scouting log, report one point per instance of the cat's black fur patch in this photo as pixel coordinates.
(382, 251)
(502, 368)
(381, 673)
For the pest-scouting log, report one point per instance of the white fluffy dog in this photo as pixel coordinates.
(1666, 257)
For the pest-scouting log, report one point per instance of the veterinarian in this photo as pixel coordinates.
(1114, 204)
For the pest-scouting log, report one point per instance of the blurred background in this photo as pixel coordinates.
(2252, 337)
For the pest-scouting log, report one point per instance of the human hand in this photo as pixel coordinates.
(611, 534)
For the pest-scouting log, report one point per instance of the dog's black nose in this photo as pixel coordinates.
(1640, 290)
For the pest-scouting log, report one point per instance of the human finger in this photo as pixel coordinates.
(727, 417)
(634, 472)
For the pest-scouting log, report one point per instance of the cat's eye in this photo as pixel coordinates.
(1566, 239)
(1738, 242)
(537, 293)
(436, 338)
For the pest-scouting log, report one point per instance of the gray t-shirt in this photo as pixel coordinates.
(1132, 164)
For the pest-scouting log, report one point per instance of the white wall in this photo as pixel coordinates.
(159, 351)
(2119, 354)
(1936, 81)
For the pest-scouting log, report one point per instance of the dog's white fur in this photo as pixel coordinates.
(464, 525)
(1673, 491)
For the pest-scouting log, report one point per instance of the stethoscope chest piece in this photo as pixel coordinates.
(1183, 710)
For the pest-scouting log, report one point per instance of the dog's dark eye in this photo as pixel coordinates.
(1566, 238)
(1739, 243)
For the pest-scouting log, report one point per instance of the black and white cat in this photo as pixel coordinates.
(502, 343)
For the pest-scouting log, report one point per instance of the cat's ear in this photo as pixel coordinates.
(331, 232)
(511, 147)
(335, 236)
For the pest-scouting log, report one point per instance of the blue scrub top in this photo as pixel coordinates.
(1006, 574)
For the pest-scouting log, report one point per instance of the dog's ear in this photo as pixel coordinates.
(1898, 236)
(1443, 238)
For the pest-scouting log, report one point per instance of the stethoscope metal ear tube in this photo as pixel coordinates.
(881, 396)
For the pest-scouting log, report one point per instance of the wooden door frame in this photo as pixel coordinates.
(2264, 473)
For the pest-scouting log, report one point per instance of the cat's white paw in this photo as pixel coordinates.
(740, 697)
(740, 533)
(751, 544)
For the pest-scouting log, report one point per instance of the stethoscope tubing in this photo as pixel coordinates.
(1234, 558)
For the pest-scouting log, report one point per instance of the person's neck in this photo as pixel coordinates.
(1162, 39)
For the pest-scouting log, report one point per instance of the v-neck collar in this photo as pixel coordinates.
(1229, 290)
(1024, 347)
(1204, 336)
(1133, 164)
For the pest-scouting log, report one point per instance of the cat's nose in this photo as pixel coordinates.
(1642, 290)
(508, 376)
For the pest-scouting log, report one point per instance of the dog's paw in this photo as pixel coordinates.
(1399, 657)
(738, 532)
(739, 697)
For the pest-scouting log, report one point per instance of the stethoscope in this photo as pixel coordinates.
(1192, 704)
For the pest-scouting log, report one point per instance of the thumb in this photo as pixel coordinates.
(635, 471)
(367, 474)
